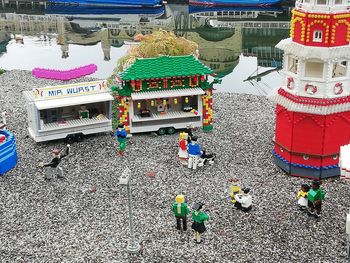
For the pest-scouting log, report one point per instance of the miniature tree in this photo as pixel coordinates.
(160, 43)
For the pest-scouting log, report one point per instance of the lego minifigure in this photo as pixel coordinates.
(235, 188)
(244, 200)
(4, 116)
(302, 197)
(187, 107)
(180, 210)
(183, 154)
(189, 130)
(315, 197)
(162, 105)
(84, 113)
(198, 217)
(54, 164)
(121, 138)
(194, 152)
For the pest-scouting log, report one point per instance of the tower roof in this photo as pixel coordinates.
(165, 67)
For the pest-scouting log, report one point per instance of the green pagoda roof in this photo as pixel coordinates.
(164, 67)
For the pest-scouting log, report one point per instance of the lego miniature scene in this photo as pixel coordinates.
(198, 134)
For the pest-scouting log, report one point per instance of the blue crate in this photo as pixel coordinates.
(8, 153)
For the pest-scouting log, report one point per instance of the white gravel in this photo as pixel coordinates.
(67, 221)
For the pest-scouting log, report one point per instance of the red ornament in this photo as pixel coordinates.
(310, 89)
(290, 83)
(338, 88)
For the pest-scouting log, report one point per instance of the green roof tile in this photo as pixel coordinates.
(165, 66)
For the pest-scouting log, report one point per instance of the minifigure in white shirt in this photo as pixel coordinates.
(244, 200)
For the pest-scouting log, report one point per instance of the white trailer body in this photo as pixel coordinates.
(66, 110)
(175, 117)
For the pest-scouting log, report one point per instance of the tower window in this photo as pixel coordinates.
(313, 69)
(317, 36)
(292, 65)
(321, 2)
(339, 69)
(338, 2)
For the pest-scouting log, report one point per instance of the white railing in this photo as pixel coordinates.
(35, 18)
(167, 116)
(72, 123)
(251, 24)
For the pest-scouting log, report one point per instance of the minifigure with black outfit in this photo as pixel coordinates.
(54, 164)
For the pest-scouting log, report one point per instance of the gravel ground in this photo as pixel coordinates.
(84, 218)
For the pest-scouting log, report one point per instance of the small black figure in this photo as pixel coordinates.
(189, 130)
(54, 164)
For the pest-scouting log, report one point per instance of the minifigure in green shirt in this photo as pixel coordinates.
(315, 197)
(181, 211)
(198, 217)
(121, 135)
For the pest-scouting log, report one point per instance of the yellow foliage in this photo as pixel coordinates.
(160, 43)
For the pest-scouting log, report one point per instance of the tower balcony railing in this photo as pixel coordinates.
(319, 88)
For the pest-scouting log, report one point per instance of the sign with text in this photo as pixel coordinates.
(77, 89)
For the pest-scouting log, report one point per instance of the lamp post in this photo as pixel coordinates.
(133, 246)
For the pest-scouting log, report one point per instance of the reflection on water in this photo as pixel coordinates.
(237, 43)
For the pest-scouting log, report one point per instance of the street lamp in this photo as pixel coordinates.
(133, 246)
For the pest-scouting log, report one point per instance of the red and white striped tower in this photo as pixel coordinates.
(313, 105)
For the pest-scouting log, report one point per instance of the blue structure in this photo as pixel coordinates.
(109, 3)
(8, 153)
(312, 172)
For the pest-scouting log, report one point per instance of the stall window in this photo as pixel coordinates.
(194, 81)
(136, 85)
(176, 82)
(151, 84)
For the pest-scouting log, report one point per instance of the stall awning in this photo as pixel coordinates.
(71, 101)
(166, 93)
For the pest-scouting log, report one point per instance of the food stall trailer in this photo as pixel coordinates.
(164, 94)
(69, 111)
